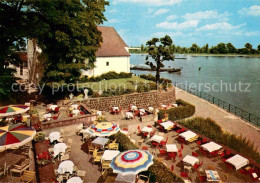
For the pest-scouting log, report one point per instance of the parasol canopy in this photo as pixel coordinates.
(103, 129)
(131, 162)
(13, 110)
(15, 136)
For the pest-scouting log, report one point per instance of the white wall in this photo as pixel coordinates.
(117, 64)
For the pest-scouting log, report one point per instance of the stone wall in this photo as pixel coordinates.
(86, 120)
(152, 98)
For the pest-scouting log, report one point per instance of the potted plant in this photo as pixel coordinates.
(43, 158)
(39, 137)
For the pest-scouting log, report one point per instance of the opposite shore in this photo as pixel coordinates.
(211, 55)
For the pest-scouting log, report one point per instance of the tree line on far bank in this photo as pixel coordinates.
(220, 48)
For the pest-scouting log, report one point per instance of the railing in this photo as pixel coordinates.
(248, 117)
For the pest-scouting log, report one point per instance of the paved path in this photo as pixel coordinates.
(227, 121)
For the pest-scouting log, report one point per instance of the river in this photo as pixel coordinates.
(235, 80)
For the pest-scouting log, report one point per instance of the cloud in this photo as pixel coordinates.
(204, 15)
(178, 26)
(251, 11)
(171, 17)
(112, 21)
(113, 11)
(151, 2)
(219, 26)
(161, 11)
(171, 34)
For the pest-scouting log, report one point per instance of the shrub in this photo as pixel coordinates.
(211, 129)
(159, 172)
(39, 137)
(114, 92)
(106, 76)
(184, 110)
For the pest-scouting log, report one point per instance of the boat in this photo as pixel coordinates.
(175, 70)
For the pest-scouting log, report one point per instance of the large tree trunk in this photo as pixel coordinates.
(33, 62)
(157, 76)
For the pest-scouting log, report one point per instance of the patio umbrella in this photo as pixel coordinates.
(103, 129)
(13, 109)
(15, 136)
(131, 162)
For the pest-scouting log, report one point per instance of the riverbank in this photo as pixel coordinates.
(223, 55)
(227, 121)
(211, 55)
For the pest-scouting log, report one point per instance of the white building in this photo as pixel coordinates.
(113, 54)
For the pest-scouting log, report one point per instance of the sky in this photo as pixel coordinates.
(186, 21)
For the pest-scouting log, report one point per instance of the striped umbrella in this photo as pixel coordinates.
(103, 129)
(15, 136)
(131, 162)
(13, 109)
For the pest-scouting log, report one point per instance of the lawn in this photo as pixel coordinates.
(125, 83)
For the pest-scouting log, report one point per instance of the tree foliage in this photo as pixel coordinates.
(159, 51)
(66, 32)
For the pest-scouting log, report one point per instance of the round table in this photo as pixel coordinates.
(59, 148)
(54, 136)
(66, 166)
(74, 180)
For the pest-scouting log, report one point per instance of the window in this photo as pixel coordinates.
(107, 63)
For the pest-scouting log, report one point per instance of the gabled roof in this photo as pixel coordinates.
(113, 45)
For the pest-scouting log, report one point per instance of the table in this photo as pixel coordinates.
(109, 155)
(142, 111)
(167, 125)
(53, 107)
(129, 115)
(46, 116)
(115, 108)
(133, 107)
(65, 166)
(76, 112)
(54, 136)
(211, 147)
(59, 148)
(171, 148)
(164, 106)
(100, 141)
(188, 135)
(147, 129)
(238, 161)
(75, 180)
(191, 160)
(157, 138)
(10, 160)
(174, 105)
(212, 175)
(125, 178)
(150, 109)
(99, 113)
(74, 106)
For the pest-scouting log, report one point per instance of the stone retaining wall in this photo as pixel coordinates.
(147, 99)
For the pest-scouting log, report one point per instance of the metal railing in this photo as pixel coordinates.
(248, 117)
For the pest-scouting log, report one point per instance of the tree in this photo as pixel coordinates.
(207, 48)
(159, 51)
(248, 47)
(230, 48)
(258, 48)
(221, 47)
(142, 47)
(65, 30)
(194, 48)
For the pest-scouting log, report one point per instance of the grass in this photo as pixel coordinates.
(125, 83)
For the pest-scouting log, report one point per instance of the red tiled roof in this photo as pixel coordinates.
(113, 45)
(23, 56)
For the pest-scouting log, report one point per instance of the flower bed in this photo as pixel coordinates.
(184, 110)
(211, 129)
(159, 172)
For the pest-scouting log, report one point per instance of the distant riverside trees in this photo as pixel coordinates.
(220, 48)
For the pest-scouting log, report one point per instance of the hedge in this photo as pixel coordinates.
(184, 110)
(211, 129)
(106, 76)
(159, 172)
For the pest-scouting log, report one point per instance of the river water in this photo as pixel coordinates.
(235, 80)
